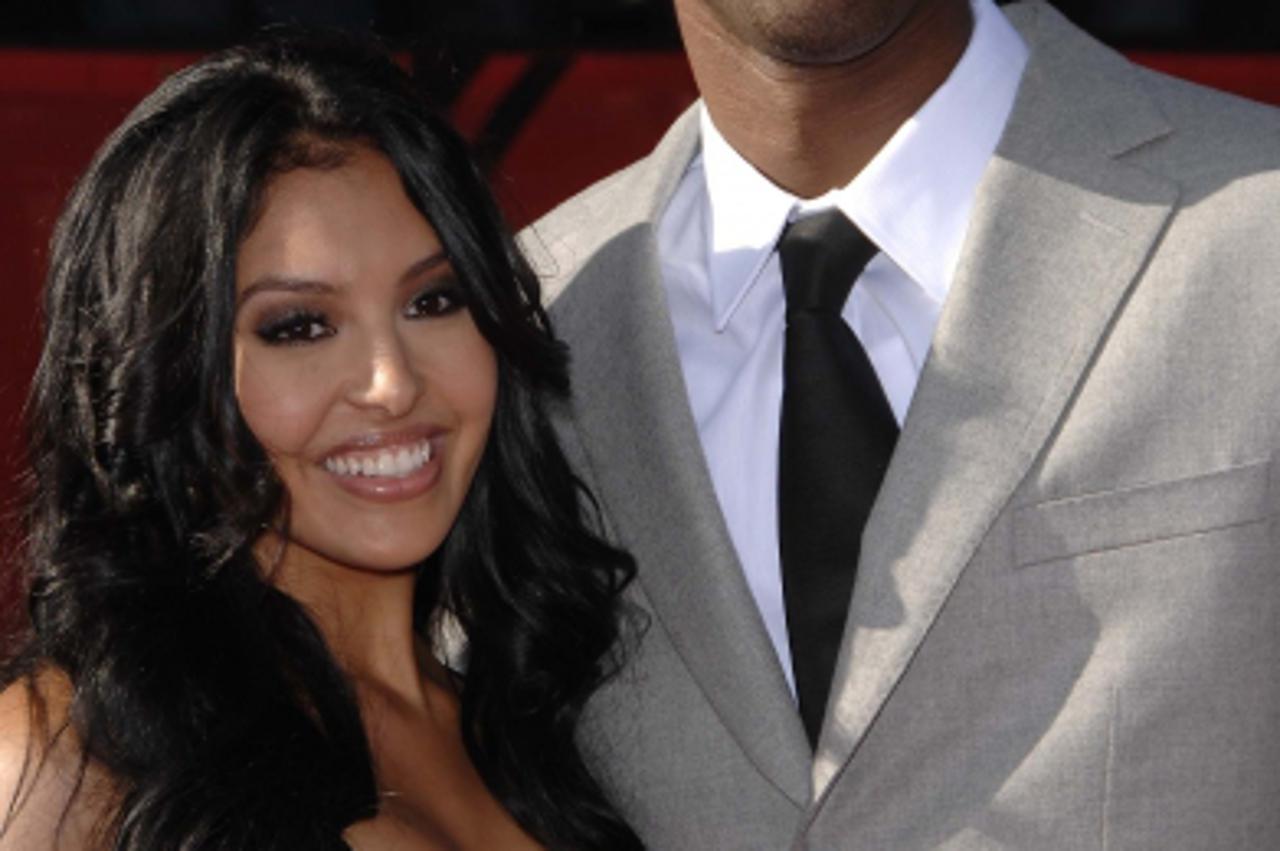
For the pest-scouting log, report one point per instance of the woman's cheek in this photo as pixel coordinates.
(282, 403)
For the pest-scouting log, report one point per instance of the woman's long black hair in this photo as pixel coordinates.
(207, 694)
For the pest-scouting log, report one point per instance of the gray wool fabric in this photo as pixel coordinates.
(1065, 631)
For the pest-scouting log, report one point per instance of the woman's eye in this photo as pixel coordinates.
(438, 301)
(294, 328)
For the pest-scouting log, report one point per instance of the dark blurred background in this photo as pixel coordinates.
(553, 94)
(628, 24)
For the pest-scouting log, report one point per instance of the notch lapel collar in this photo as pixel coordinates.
(632, 416)
(1061, 230)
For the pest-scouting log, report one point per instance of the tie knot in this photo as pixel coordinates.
(822, 255)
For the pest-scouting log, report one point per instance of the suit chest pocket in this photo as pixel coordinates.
(1149, 513)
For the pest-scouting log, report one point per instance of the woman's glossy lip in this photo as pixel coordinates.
(392, 488)
(396, 486)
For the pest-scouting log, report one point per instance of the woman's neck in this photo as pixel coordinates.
(365, 616)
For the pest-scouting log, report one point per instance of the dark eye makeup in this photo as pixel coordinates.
(293, 327)
(440, 298)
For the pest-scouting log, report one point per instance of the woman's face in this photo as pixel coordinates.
(357, 367)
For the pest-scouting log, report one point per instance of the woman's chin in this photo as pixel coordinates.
(368, 555)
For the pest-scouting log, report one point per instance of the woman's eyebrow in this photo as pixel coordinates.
(426, 264)
(279, 283)
(276, 283)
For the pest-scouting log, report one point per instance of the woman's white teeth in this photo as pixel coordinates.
(387, 463)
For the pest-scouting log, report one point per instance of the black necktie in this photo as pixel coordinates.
(837, 435)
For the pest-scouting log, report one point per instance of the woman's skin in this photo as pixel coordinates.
(364, 378)
(59, 810)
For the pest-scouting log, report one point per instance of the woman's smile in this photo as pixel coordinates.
(388, 467)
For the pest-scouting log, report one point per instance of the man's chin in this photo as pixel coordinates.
(818, 32)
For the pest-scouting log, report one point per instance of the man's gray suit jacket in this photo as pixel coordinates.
(1065, 631)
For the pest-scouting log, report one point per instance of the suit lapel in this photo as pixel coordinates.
(1061, 230)
(633, 418)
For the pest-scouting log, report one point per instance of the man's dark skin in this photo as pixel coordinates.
(809, 90)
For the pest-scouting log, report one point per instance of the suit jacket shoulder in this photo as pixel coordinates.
(1224, 153)
(1179, 130)
(563, 240)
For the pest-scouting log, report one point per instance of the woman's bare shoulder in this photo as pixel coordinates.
(49, 797)
(33, 713)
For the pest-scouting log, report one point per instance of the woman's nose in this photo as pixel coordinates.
(389, 382)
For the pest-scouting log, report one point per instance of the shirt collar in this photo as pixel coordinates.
(913, 199)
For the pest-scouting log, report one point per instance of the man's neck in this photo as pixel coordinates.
(811, 128)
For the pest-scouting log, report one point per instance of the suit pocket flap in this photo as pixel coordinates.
(1102, 521)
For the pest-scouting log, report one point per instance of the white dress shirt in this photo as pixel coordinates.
(724, 288)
